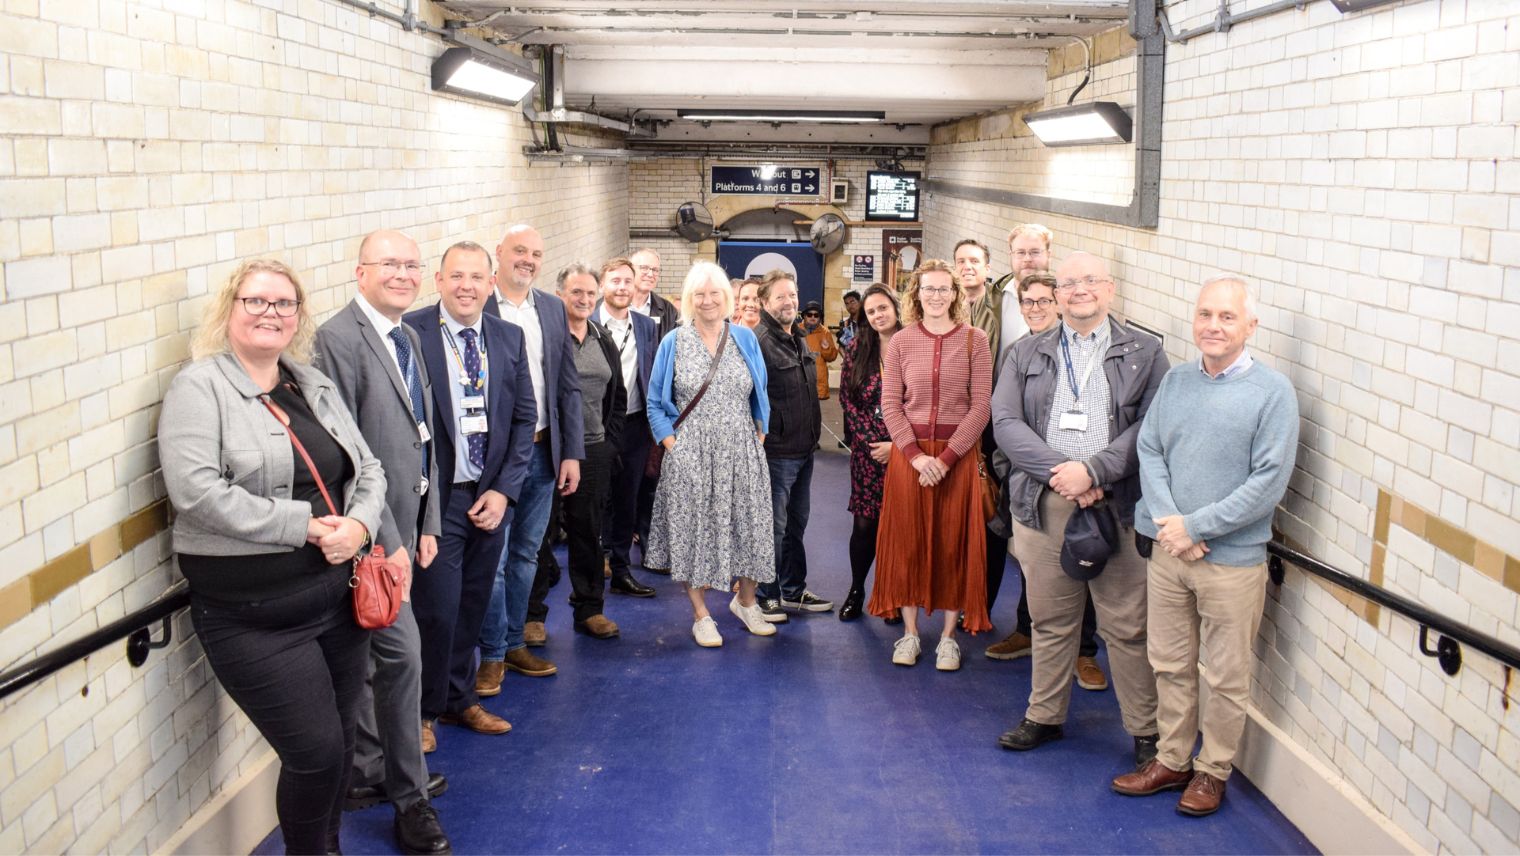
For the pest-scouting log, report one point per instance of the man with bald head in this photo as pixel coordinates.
(1216, 452)
(372, 358)
(1067, 411)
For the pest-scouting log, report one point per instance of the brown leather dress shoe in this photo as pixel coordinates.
(477, 719)
(429, 739)
(524, 663)
(1153, 778)
(1013, 647)
(598, 626)
(1090, 675)
(488, 678)
(1203, 795)
(534, 634)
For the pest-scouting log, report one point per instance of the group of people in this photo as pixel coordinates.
(982, 419)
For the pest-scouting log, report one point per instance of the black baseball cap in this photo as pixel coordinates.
(1092, 536)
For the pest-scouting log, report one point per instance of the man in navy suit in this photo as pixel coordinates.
(636, 336)
(559, 446)
(484, 407)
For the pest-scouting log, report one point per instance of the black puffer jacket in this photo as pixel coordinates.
(792, 384)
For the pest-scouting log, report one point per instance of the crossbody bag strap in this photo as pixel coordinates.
(711, 371)
(284, 419)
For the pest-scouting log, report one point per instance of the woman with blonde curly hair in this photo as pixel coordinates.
(267, 562)
(936, 394)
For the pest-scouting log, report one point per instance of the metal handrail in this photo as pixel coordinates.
(132, 627)
(1451, 634)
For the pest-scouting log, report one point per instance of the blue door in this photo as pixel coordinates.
(744, 259)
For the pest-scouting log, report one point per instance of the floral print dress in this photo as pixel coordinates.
(863, 426)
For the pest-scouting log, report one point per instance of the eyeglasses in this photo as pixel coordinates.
(1090, 281)
(260, 306)
(1028, 254)
(391, 267)
(936, 289)
(649, 269)
(1043, 303)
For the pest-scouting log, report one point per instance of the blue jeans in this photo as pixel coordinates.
(508, 611)
(791, 481)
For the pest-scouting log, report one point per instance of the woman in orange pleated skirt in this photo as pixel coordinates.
(936, 399)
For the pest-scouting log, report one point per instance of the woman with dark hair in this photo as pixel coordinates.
(866, 434)
(936, 397)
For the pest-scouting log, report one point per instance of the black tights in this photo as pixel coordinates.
(862, 550)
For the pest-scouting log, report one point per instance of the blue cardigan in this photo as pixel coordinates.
(662, 409)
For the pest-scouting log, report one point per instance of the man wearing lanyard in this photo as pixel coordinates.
(483, 439)
(1067, 410)
(558, 448)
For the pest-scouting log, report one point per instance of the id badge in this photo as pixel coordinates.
(1073, 420)
(475, 424)
(423, 433)
(472, 402)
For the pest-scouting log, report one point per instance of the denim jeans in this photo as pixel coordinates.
(507, 612)
(791, 479)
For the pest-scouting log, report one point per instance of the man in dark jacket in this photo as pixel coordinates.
(792, 383)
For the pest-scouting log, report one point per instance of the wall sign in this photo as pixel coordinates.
(864, 269)
(768, 179)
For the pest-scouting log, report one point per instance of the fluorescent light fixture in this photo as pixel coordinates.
(1093, 123)
(478, 74)
(782, 115)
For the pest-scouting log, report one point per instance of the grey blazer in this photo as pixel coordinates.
(351, 352)
(228, 464)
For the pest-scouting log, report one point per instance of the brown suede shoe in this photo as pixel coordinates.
(1015, 646)
(429, 739)
(1090, 675)
(606, 568)
(488, 678)
(534, 634)
(1153, 778)
(1203, 795)
(524, 663)
(477, 719)
(598, 626)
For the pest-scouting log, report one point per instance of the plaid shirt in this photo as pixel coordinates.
(1081, 445)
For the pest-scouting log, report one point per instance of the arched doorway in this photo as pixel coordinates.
(764, 239)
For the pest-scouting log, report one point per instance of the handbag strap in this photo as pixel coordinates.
(284, 419)
(711, 371)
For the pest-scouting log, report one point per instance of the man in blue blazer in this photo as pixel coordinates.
(485, 410)
(559, 446)
(637, 336)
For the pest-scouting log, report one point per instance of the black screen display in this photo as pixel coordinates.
(892, 196)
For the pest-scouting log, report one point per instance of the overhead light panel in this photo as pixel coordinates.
(1093, 123)
(855, 116)
(478, 74)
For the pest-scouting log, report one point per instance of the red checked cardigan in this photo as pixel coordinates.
(928, 379)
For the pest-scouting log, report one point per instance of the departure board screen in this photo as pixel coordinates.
(892, 196)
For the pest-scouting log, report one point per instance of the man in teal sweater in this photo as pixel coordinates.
(1216, 450)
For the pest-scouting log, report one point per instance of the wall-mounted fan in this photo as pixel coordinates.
(827, 234)
(694, 222)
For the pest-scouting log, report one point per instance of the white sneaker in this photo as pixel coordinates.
(753, 620)
(905, 651)
(706, 632)
(947, 655)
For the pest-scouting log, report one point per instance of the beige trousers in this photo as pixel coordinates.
(1056, 602)
(1220, 606)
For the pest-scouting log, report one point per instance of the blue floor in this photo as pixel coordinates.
(810, 741)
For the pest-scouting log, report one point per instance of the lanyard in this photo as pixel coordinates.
(1071, 380)
(469, 383)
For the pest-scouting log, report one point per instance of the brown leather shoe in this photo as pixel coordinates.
(606, 568)
(534, 634)
(1090, 675)
(1016, 645)
(1203, 795)
(477, 719)
(1153, 778)
(488, 678)
(598, 626)
(524, 663)
(429, 739)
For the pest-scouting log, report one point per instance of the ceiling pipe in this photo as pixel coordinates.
(558, 115)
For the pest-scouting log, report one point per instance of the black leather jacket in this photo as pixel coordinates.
(792, 383)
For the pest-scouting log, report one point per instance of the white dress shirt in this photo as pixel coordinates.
(526, 317)
(627, 345)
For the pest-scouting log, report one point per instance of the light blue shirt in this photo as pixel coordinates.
(1241, 363)
(463, 469)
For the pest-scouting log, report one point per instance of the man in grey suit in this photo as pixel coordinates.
(374, 360)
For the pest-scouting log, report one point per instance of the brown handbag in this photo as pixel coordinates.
(657, 455)
(989, 490)
(378, 584)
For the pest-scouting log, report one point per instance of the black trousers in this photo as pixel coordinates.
(623, 499)
(449, 600)
(295, 664)
(582, 515)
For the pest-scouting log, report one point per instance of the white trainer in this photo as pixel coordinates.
(905, 651)
(752, 618)
(706, 632)
(947, 655)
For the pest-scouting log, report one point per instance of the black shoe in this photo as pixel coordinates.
(436, 785)
(807, 602)
(418, 830)
(893, 620)
(770, 610)
(1028, 735)
(852, 604)
(363, 797)
(1145, 749)
(664, 572)
(626, 584)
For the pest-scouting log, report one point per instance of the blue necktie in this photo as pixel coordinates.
(476, 442)
(413, 384)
